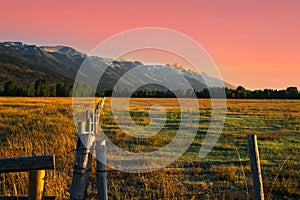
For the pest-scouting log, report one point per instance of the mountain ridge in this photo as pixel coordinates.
(27, 63)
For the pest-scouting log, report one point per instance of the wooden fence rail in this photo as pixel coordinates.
(21, 164)
(36, 166)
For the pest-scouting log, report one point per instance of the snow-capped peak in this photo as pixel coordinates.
(13, 44)
(64, 51)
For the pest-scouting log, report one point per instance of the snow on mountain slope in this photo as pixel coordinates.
(68, 51)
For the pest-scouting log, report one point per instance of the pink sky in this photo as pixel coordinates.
(254, 43)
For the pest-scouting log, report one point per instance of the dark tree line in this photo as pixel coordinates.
(43, 88)
(238, 93)
(242, 93)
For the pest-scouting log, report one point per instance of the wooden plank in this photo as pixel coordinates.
(21, 164)
(255, 167)
(24, 198)
(36, 184)
(101, 169)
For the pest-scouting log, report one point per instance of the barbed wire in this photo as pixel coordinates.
(207, 192)
(212, 192)
(200, 194)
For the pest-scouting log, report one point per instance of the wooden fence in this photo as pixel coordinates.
(86, 144)
(36, 166)
(87, 130)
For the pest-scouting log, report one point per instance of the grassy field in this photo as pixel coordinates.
(39, 126)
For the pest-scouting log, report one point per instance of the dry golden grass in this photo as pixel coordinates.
(39, 126)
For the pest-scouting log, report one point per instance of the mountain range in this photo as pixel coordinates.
(59, 64)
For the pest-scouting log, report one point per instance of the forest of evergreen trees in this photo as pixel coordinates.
(43, 88)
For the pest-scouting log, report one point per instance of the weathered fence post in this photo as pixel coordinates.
(101, 169)
(86, 114)
(82, 162)
(95, 121)
(255, 167)
(92, 123)
(36, 184)
(88, 122)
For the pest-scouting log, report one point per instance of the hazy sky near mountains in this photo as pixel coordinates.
(255, 43)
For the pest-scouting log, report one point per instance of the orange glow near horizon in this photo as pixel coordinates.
(157, 57)
(254, 43)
